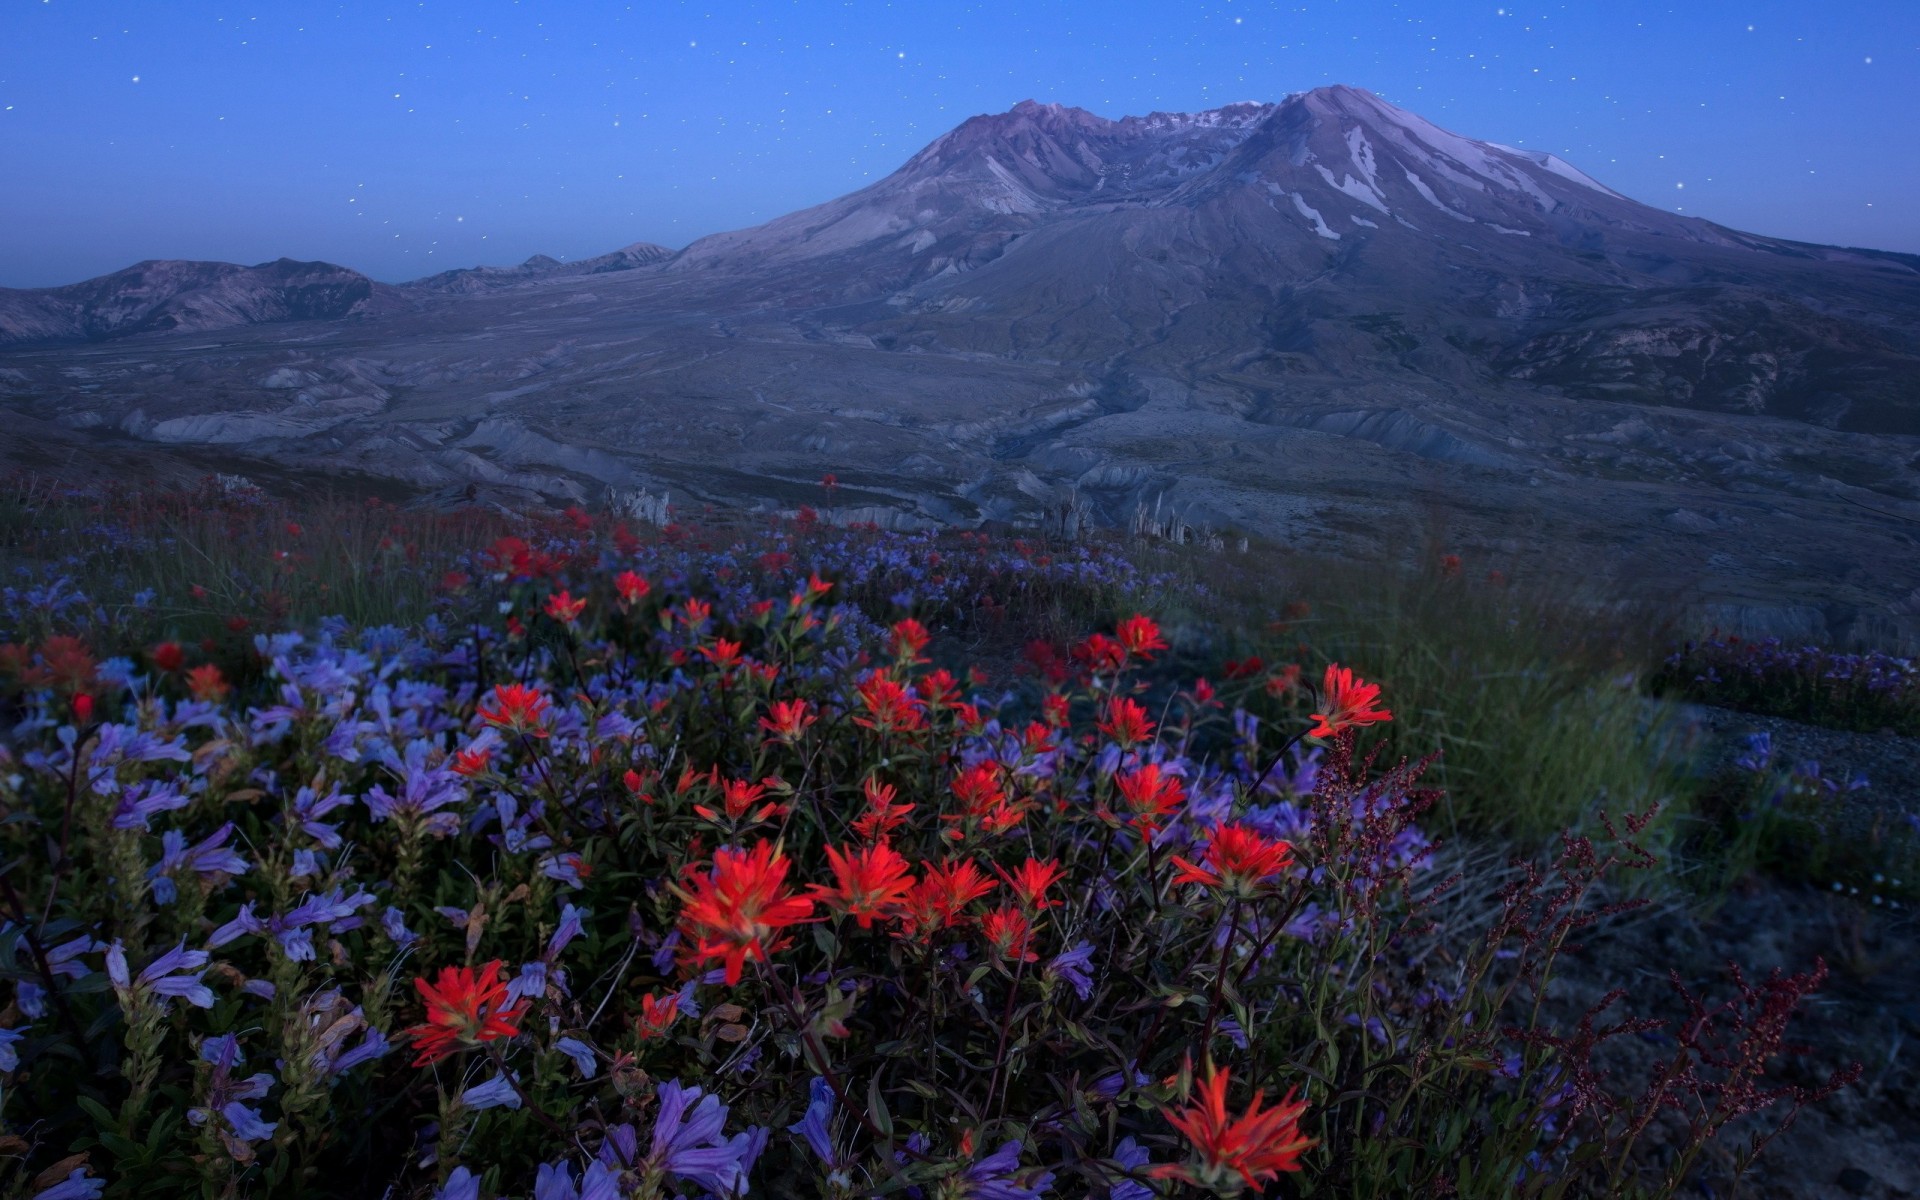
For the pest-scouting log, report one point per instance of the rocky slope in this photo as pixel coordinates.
(1323, 320)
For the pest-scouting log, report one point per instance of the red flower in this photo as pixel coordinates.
(83, 708)
(1254, 1147)
(1102, 654)
(978, 789)
(463, 1009)
(738, 795)
(1150, 794)
(723, 653)
(1141, 636)
(695, 613)
(735, 911)
(1008, 931)
(1125, 722)
(883, 816)
(829, 481)
(169, 657)
(1031, 880)
(518, 709)
(1055, 709)
(631, 588)
(890, 707)
(657, 1015)
(1238, 861)
(869, 882)
(788, 719)
(562, 607)
(1245, 668)
(938, 689)
(1348, 702)
(909, 639)
(207, 684)
(472, 760)
(69, 664)
(937, 898)
(1450, 565)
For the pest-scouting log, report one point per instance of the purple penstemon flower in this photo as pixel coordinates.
(689, 1142)
(424, 791)
(209, 856)
(994, 1177)
(812, 1127)
(78, 1185)
(146, 799)
(309, 806)
(1072, 966)
(555, 1182)
(497, 1092)
(159, 978)
(461, 1184)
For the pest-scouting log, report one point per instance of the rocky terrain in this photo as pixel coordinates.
(1324, 321)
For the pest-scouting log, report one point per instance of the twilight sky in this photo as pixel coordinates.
(406, 138)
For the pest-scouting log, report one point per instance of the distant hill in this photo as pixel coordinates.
(162, 295)
(540, 266)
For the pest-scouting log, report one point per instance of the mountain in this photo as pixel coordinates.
(167, 295)
(1322, 320)
(541, 266)
(1334, 231)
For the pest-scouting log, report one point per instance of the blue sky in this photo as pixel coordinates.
(402, 139)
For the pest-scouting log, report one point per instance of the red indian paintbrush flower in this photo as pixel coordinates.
(1238, 861)
(869, 882)
(1141, 636)
(631, 588)
(1348, 702)
(169, 657)
(1125, 722)
(1009, 932)
(723, 653)
(656, 1015)
(788, 719)
(518, 709)
(890, 708)
(735, 911)
(207, 684)
(936, 900)
(909, 639)
(1150, 794)
(1031, 880)
(562, 607)
(883, 816)
(464, 1009)
(1236, 1152)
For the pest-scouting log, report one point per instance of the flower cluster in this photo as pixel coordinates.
(686, 863)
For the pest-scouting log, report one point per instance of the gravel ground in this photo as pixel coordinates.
(1890, 762)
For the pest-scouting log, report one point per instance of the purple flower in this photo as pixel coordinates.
(1132, 1156)
(555, 1182)
(992, 1178)
(209, 856)
(159, 977)
(1072, 966)
(146, 799)
(78, 1185)
(309, 807)
(243, 924)
(570, 928)
(689, 1142)
(395, 924)
(530, 984)
(9, 1057)
(424, 791)
(462, 1184)
(497, 1092)
(582, 1055)
(812, 1126)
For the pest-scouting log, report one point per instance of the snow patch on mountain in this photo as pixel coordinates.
(1426, 193)
(1312, 214)
(1354, 188)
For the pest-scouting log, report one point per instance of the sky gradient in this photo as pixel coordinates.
(403, 139)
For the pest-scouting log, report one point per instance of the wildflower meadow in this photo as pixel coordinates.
(556, 859)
